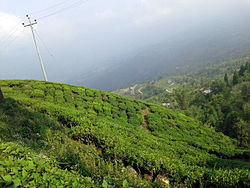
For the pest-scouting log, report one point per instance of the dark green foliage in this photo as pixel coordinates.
(242, 128)
(218, 86)
(181, 97)
(245, 92)
(242, 70)
(1, 96)
(226, 79)
(235, 78)
(72, 161)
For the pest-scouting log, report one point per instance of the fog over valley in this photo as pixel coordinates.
(113, 44)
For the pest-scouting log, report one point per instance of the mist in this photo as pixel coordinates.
(99, 35)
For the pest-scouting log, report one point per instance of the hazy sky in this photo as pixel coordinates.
(96, 32)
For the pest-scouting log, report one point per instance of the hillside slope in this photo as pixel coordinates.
(218, 95)
(50, 131)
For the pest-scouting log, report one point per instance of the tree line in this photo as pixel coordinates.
(224, 105)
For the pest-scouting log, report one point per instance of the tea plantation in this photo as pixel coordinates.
(57, 135)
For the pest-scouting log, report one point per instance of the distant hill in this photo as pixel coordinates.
(153, 90)
(188, 51)
(56, 135)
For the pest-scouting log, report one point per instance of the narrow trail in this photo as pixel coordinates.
(144, 125)
(132, 89)
(139, 90)
(168, 91)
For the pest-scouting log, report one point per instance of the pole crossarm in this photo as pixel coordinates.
(37, 49)
(30, 24)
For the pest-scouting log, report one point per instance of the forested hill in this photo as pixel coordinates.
(56, 135)
(217, 96)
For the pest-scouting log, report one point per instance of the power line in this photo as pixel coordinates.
(5, 47)
(39, 37)
(76, 4)
(9, 36)
(51, 7)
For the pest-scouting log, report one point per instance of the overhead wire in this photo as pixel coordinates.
(45, 46)
(42, 41)
(11, 41)
(9, 36)
(51, 7)
(76, 4)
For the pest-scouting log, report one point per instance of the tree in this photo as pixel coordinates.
(235, 78)
(210, 115)
(1, 96)
(242, 129)
(180, 96)
(226, 79)
(230, 120)
(242, 70)
(245, 92)
(218, 86)
(246, 112)
(247, 67)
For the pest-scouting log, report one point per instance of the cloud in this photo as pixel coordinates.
(11, 29)
(14, 36)
(137, 13)
(106, 15)
(10, 24)
(57, 33)
(156, 6)
(152, 11)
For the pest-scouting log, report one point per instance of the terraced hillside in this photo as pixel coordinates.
(55, 135)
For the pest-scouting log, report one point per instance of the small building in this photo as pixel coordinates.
(166, 105)
(208, 91)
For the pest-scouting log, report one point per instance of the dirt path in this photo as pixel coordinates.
(168, 91)
(139, 91)
(144, 125)
(132, 89)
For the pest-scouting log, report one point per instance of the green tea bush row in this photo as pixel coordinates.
(175, 146)
(19, 167)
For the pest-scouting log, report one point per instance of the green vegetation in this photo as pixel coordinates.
(59, 135)
(217, 96)
(226, 106)
(1, 96)
(21, 168)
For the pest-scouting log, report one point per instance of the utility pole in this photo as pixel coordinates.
(34, 38)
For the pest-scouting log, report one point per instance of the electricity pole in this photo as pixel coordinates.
(34, 38)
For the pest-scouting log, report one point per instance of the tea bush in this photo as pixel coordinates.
(109, 134)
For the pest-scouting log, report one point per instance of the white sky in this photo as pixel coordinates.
(98, 32)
